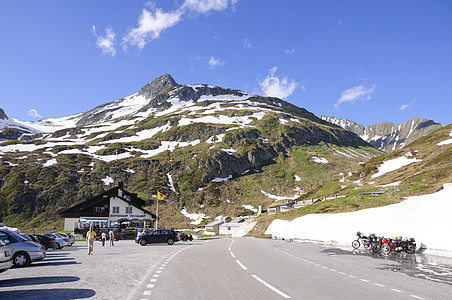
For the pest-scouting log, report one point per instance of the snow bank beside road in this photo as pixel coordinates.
(426, 218)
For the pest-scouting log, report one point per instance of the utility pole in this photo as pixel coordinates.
(157, 211)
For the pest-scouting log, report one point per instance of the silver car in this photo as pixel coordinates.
(69, 237)
(23, 251)
(5, 257)
(60, 241)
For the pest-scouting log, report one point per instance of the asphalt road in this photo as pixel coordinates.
(226, 268)
(247, 268)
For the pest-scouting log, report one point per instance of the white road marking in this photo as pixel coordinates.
(380, 285)
(147, 293)
(150, 286)
(398, 291)
(342, 273)
(241, 265)
(365, 280)
(272, 287)
(158, 272)
(153, 280)
(333, 270)
(156, 275)
(351, 276)
(232, 254)
(417, 297)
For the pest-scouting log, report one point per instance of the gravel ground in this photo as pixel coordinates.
(70, 273)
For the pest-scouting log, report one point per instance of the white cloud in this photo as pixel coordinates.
(247, 43)
(34, 113)
(291, 51)
(215, 62)
(153, 21)
(405, 106)
(106, 44)
(204, 6)
(150, 25)
(355, 93)
(274, 86)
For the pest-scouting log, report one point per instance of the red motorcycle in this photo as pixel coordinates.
(398, 245)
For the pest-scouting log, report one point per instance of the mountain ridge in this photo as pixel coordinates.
(387, 136)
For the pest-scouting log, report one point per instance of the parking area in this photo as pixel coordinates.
(69, 273)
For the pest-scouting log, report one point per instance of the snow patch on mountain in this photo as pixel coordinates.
(197, 218)
(446, 142)
(394, 164)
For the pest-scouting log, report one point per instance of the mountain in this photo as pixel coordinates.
(424, 164)
(13, 130)
(209, 149)
(387, 136)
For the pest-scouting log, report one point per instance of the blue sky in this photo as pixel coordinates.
(367, 61)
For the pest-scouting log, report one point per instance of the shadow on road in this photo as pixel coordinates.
(61, 294)
(36, 281)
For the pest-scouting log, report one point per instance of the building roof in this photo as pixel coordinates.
(79, 209)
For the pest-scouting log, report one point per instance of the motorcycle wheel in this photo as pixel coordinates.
(355, 244)
(376, 248)
(367, 245)
(410, 249)
(386, 249)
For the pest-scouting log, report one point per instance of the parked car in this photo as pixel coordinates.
(60, 241)
(117, 237)
(29, 237)
(71, 238)
(23, 251)
(46, 241)
(5, 256)
(158, 236)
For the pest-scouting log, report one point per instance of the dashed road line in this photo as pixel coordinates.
(272, 287)
(232, 254)
(380, 285)
(397, 291)
(417, 297)
(241, 265)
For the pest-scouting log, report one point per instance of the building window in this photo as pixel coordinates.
(99, 209)
(128, 210)
(116, 209)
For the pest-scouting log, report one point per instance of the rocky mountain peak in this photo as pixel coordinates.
(3, 116)
(387, 136)
(153, 88)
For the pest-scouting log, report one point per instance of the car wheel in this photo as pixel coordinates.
(143, 242)
(57, 246)
(170, 241)
(21, 259)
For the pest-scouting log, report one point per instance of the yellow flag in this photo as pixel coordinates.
(160, 196)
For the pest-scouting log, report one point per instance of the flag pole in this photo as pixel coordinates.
(157, 211)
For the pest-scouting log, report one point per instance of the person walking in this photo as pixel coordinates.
(90, 235)
(111, 236)
(104, 237)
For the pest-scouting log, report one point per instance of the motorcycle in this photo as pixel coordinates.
(362, 239)
(399, 245)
